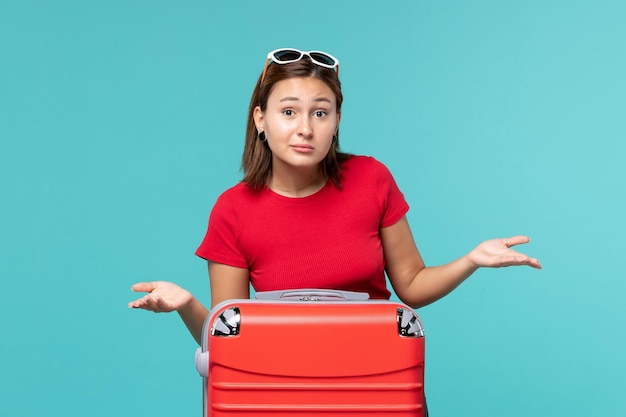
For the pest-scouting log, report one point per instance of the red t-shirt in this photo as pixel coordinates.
(328, 240)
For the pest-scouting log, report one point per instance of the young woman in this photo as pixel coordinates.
(309, 216)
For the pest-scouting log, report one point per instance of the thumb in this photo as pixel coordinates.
(515, 240)
(143, 287)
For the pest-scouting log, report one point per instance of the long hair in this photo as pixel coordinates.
(256, 161)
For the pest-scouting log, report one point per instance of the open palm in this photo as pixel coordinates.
(497, 253)
(162, 296)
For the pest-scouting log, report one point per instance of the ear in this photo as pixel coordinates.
(258, 119)
(338, 120)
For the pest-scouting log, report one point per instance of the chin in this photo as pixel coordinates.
(305, 161)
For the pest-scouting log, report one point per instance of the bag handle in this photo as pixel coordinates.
(312, 294)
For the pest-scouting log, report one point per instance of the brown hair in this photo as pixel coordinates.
(257, 156)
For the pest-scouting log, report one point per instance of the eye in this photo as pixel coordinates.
(320, 113)
(288, 112)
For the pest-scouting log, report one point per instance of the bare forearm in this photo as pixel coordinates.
(432, 283)
(417, 285)
(193, 315)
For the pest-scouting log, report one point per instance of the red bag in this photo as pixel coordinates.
(314, 353)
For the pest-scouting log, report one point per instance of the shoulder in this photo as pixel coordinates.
(238, 192)
(233, 199)
(360, 164)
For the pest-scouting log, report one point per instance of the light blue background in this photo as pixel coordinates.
(121, 122)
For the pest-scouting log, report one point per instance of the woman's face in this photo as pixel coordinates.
(299, 122)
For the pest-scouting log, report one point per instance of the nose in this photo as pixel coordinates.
(305, 128)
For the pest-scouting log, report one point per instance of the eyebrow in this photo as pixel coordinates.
(319, 99)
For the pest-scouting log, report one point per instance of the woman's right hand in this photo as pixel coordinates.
(162, 297)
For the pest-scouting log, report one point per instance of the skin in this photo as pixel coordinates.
(300, 121)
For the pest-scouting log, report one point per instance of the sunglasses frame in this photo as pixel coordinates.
(271, 57)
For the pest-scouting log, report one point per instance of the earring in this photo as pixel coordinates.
(335, 139)
(262, 137)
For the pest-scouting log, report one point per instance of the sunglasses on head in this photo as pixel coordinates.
(289, 55)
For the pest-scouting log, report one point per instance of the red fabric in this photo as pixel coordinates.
(330, 239)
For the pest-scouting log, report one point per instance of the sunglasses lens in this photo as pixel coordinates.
(287, 55)
(323, 58)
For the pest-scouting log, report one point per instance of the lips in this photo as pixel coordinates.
(302, 148)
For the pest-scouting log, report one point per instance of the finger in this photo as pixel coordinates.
(150, 301)
(515, 240)
(146, 302)
(157, 304)
(143, 287)
(519, 260)
(139, 303)
(534, 262)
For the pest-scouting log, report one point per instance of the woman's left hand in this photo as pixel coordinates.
(497, 253)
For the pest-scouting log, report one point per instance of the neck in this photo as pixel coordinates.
(297, 183)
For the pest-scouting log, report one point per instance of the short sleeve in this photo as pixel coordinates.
(391, 200)
(221, 242)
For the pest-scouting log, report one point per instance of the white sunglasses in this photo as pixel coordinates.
(289, 55)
